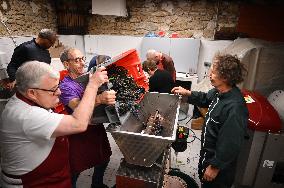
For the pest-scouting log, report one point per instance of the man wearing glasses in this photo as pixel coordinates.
(91, 148)
(36, 49)
(34, 147)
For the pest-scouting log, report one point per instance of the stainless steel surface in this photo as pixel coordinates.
(143, 149)
(249, 158)
(152, 174)
(258, 160)
(272, 155)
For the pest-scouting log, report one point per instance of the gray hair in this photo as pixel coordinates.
(30, 74)
(64, 56)
(47, 34)
(151, 54)
(149, 65)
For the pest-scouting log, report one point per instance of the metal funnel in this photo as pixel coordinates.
(143, 149)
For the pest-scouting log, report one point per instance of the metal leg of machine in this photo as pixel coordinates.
(134, 176)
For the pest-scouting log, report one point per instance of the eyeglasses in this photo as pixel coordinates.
(49, 90)
(78, 59)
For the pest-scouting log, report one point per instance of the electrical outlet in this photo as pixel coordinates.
(207, 64)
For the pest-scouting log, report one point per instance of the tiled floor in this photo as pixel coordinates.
(186, 161)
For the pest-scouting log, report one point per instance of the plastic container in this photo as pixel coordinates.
(130, 60)
(174, 35)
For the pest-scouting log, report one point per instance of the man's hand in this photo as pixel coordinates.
(99, 77)
(11, 85)
(106, 97)
(210, 173)
(7, 84)
(181, 91)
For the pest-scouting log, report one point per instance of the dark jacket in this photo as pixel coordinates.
(26, 51)
(161, 82)
(225, 128)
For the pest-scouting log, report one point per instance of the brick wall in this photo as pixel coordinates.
(25, 17)
(187, 18)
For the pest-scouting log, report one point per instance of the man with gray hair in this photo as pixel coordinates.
(34, 147)
(35, 49)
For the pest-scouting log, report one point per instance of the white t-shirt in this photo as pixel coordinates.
(25, 136)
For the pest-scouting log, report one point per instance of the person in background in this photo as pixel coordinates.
(35, 49)
(160, 80)
(91, 148)
(225, 122)
(98, 59)
(34, 147)
(164, 62)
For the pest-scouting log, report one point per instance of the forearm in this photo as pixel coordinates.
(198, 98)
(83, 112)
(98, 100)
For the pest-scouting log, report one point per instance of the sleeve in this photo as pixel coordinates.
(201, 99)
(168, 65)
(230, 137)
(18, 58)
(41, 123)
(67, 94)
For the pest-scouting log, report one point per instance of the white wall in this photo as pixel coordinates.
(207, 51)
(74, 41)
(110, 45)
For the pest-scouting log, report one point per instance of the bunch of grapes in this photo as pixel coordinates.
(127, 91)
(153, 126)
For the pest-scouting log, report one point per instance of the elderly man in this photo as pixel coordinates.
(225, 122)
(36, 49)
(34, 148)
(164, 62)
(91, 148)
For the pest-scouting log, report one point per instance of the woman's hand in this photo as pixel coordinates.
(181, 91)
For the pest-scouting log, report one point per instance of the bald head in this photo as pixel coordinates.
(150, 55)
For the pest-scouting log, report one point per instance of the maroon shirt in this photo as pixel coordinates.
(167, 63)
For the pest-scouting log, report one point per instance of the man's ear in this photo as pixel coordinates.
(31, 94)
(66, 64)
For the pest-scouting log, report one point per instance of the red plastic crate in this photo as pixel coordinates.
(130, 60)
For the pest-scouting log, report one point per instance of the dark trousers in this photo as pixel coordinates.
(97, 178)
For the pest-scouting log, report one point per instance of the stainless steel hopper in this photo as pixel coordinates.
(143, 149)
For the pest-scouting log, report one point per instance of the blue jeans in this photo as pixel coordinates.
(97, 178)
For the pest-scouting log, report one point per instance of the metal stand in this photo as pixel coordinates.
(134, 176)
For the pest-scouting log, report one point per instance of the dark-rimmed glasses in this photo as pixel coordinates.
(78, 59)
(49, 90)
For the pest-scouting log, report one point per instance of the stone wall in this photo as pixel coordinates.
(196, 18)
(187, 18)
(25, 17)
